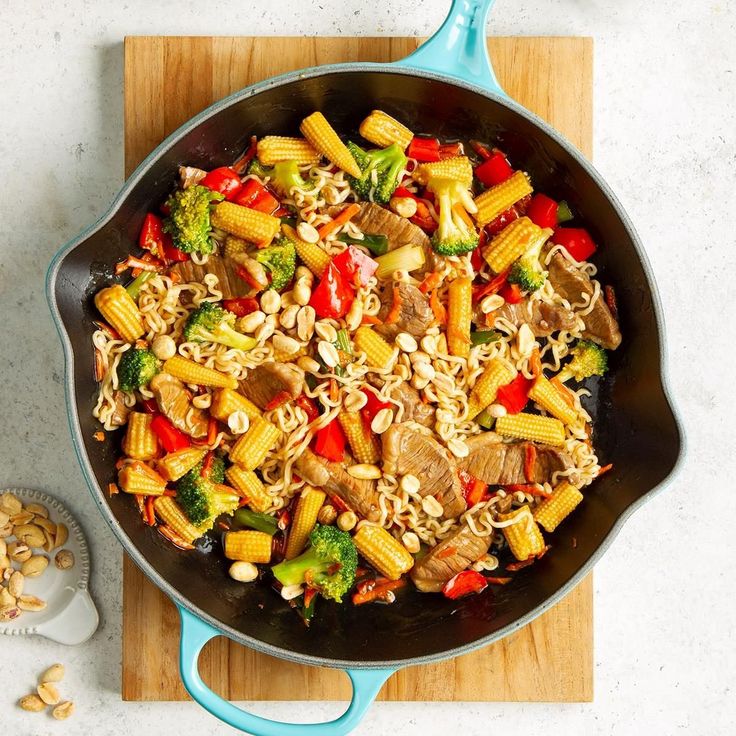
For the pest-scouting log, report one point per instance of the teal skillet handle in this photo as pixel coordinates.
(459, 48)
(195, 633)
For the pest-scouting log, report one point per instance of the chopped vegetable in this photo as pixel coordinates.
(588, 359)
(255, 196)
(329, 442)
(527, 272)
(241, 306)
(564, 213)
(136, 368)
(474, 490)
(380, 172)
(169, 436)
(467, 582)
(338, 221)
(256, 520)
(280, 262)
(424, 149)
(202, 498)
(576, 241)
(355, 266)
(514, 396)
(542, 211)
(407, 258)
(223, 180)
(455, 234)
(511, 293)
(494, 170)
(189, 219)
(376, 244)
(135, 286)
(333, 295)
(483, 337)
(152, 236)
(211, 323)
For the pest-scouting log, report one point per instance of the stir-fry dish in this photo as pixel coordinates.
(359, 364)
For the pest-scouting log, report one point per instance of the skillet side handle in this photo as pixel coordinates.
(459, 48)
(195, 633)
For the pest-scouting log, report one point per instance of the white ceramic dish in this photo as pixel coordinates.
(70, 616)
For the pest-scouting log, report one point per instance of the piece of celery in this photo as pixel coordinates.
(407, 258)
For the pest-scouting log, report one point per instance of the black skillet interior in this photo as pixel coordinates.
(635, 428)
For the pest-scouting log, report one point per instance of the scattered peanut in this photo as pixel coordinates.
(32, 703)
(310, 365)
(365, 471)
(347, 521)
(409, 483)
(355, 401)
(271, 301)
(491, 303)
(34, 566)
(202, 401)
(286, 345)
(55, 673)
(163, 347)
(30, 603)
(48, 692)
(328, 352)
(15, 584)
(9, 612)
(411, 542)
(287, 318)
(238, 422)
(302, 292)
(64, 559)
(63, 710)
(404, 206)
(251, 322)
(432, 507)
(327, 514)
(10, 504)
(305, 323)
(406, 342)
(243, 572)
(308, 233)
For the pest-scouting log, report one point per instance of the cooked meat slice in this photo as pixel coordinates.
(270, 381)
(407, 451)
(448, 558)
(359, 495)
(571, 283)
(544, 320)
(415, 314)
(175, 404)
(415, 410)
(120, 415)
(230, 284)
(377, 220)
(502, 463)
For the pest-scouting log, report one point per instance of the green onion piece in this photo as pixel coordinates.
(308, 611)
(485, 419)
(481, 337)
(407, 258)
(288, 220)
(255, 520)
(564, 213)
(134, 287)
(376, 244)
(343, 342)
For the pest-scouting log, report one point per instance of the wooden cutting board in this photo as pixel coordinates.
(169, 79)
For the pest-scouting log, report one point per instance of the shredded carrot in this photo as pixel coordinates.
(499, 581)
(119, 463)
(150, 513)
(438, 308)
(280, 398)
(514, 566)
(460, 211)
(174, 538)
(141, 503)
(170, 492)
(395, 311)
(379, 591)
(563, 390)
(431, 282)
(207, 464)
(112, 489)
(370, 319)
(99, 436)
(447, 552)
(212, 431)
(605, 469)
(334, 390)
(175, 277)
(338, 503)
(346, 215)
(535, 363)
(530, 460)
(99, 365)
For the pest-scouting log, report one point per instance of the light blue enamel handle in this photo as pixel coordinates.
(459, 47)
(195, 633)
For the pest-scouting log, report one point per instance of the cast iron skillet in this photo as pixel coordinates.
(447, 88)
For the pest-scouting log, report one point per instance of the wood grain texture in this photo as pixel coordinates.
(167, 80)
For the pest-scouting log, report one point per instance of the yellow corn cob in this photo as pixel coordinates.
(121, 311)
(498, 199)
(383, 130)
(524, 538)
(172, 515)
(387, 555)
(140, 441)
(305, 517)
(190, 372)
(548, 397)
(249, 485)
(379, 353)
(513, 241)
(362, 441)
(458, 168)
(323, 137)
(311, 254)
(497, 373)
(533, 427)
(177, 464)
(140, 479)
(459, 314)
(281, 356)
(251, 225)
(226, 401)
(235, 246)
(563, 501)
(275, 148)
(252, 447)
(248, 546)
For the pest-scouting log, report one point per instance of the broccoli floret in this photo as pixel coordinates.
(280, 261)
(455, 233)
(136, 368)
(211, 323)
(283, 175)
(189, 219)
(200, 498)
(388, 163)
(527, 272)
(328, 565)
(588, 359)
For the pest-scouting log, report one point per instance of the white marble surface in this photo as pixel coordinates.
(664, 137)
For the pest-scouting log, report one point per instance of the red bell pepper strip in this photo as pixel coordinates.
(223, 180)
(333, 296)
(476, 257)
(424, 150)
(209, 459)
(281, 398)
(329, 442)
(240, 166)
(241, 306)
(450, 150)
(255, 196)
(151, 237)
(355, 266)
(511, 293)
(169, 436)
(308, 407)
(542, 211)
(611, 301)
(481, 149)
(530, 461)
(494, 170)
(492, 287)
(372, 407)
(473, 489)
(505, 218)
(404, 192)
(464, 583)
(171, 253)
(577, 242)
(422, 218)
(514, 395)
(242, 273)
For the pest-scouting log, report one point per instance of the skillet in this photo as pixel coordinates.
(446, 88)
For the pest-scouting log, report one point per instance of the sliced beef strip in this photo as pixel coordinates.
(120, 415)
(415, 410)
(415, 314)
(175, 404)
(545, 318)
(359, 495)
(267, 381)
(571, 283)
(496, 462)
(407, 451)
(448, 558)
(231, 285)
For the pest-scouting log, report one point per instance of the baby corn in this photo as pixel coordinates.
(248, 546)
(460, 313)
(513, 241)
(178, 463)
(140, 479)
(140, 441)
(362, 441)
(498, 199)
(323, 137)
(383, 130)
(171, 514)
(121, 311)
(532, 427)
(497, 373)
(458, 168)
(378, 352)
(250, 486)
(305, 517)
(549, 398)
(563, 501)
(246, 223)
(387, 555)
(275, 148)
(225, 401)
(253, 446)
(190, 372)
(524, 538)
